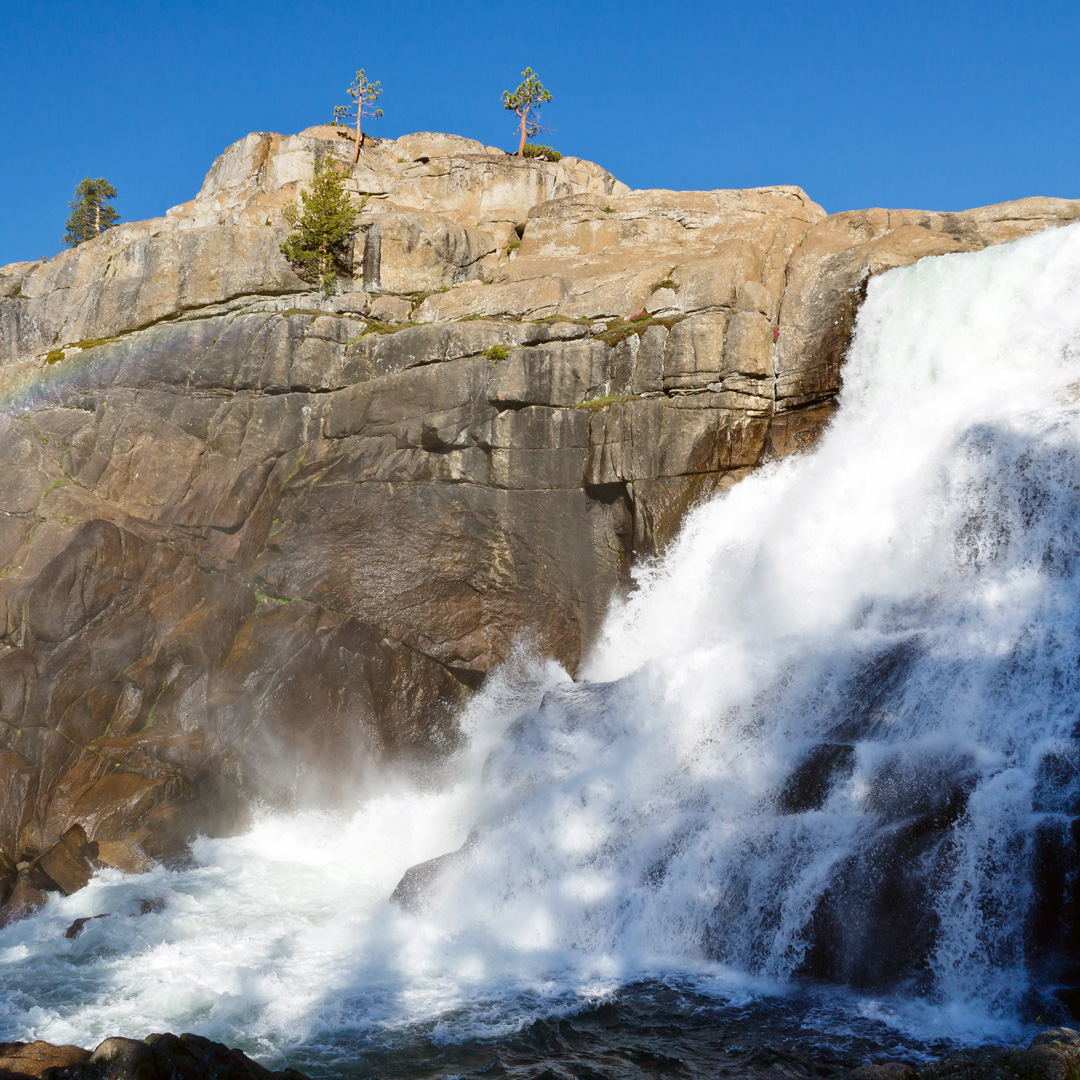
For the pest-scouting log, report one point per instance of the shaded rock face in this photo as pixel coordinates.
(253, 543)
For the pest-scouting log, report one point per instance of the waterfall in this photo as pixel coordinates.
(832, 736)
(833, 731)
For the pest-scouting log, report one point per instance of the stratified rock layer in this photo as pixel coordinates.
(256, 544)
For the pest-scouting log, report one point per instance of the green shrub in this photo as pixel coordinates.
(580, 320)
(497, 352)
(535, 150)
(618, 329)
(54, 356)
(377, 326)
(604, 400)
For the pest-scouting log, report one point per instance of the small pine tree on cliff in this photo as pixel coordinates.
(525, 102)
(364, 95)
(90, 216)
(321, 226)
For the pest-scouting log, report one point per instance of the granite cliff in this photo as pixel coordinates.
(256, 544)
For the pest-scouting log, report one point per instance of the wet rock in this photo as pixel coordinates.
(1052, 1055)
(123, 1059)
(885, 1070)
(67, 866)
(9, 875)
(815, 776)
(416, 883)
(122, 855)
(192, 1057)
(170, 1057)
(24, 900)
(77, 927)
(158, 1057)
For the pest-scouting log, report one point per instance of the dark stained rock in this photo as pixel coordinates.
(9, 875)
(411, 891)
(814, 776)
(77, 927)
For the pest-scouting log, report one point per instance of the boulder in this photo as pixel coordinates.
(24, 899)
(34, 1059)
(172, 1057)
(67, 866)
(411, 891)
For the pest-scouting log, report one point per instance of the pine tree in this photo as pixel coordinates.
(364, 95)
(525, 101)
(90, 216)
(320, 227)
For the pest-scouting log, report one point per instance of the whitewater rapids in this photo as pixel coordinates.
(881, 633)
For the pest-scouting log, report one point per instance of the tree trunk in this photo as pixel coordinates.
(359, 133)
(521, 145)
(97, 218)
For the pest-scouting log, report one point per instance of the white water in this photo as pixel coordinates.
(910, 591)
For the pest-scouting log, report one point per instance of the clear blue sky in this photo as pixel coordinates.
(930, 105)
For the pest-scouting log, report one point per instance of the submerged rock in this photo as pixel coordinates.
(77, 927)
(412, 891)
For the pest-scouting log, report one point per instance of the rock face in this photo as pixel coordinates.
(255, 544)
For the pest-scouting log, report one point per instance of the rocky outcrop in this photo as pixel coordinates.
(157, 1057)
(255, 544)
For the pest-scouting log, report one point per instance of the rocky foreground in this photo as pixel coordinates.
(157, 1057)
(1052, 1055)
(254, 544)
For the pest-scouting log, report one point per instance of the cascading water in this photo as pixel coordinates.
(832, 734)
